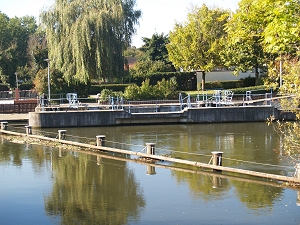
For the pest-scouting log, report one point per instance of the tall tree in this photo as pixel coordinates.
(152, 56)
(197, 43)
(14, 34)
(281, 33)
(86, 38)
(244, 49)
(155, 47)
(281, 37)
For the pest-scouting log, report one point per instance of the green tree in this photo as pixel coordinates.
(152, 56)
(197, 43)
(155, 47)
(281, 33)
(281, 38)
(244, 50)
(86, 39)
(14, 34)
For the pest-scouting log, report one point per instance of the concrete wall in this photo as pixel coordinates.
(118, 117)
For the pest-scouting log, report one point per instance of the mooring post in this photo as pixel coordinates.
(151, 170)
(100, 140)
(99, 160)
(217, 158)
(28, 129)
(150, 148)
(217, 181)
(4, 125)
(62, 134)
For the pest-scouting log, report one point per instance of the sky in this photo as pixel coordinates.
(158, 16)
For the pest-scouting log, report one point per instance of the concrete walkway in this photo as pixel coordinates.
(14, 117)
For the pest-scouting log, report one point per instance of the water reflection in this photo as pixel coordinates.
(93, 190)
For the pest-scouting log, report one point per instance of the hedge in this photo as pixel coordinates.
(245, 82)
(187, 81)
(95, 89)
(3, 87)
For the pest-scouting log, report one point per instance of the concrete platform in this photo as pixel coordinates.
(14, 117)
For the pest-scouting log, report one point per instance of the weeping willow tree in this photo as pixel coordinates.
(86, 38)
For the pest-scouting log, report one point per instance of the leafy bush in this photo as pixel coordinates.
(244, 82)
(165, 89)
(254, 89)
(186, 80)
(106, 93)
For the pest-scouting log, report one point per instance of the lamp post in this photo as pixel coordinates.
(49, 96)
(17, 79)
(17, 94)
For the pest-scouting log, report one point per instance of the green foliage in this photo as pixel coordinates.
(152, 57)
(14, 34)
(196, 44)
(95, 89)
(185, 80)
(142, 68)
(281, 32)
(86, 39)
(26, 86)
(165, 89)
(132, 92)
(155, 47)
(3, 87)
(106, 93)
(261, 89)
(243, 50)
(246, 82)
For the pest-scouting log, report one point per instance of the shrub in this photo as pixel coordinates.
(165, 89)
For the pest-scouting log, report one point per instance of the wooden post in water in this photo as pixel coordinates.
(100, 140)
(4, 125)
(28, 129)
(62, 134)
(217, 158)
(150, 148)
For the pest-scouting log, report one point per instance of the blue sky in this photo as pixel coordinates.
(158, 16)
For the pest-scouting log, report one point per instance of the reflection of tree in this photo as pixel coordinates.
(203, 186)
(11, 152)
(85, 193)
(256, 196)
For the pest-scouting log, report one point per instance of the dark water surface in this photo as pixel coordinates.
(44, 183)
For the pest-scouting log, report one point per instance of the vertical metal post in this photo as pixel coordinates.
(100, 140)
(150, 170)
(150, 148)
(62, 134)
(28, 129)
(217, 158)
(49, 94)
(4, 125)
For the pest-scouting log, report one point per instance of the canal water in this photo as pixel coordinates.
(47, 183)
